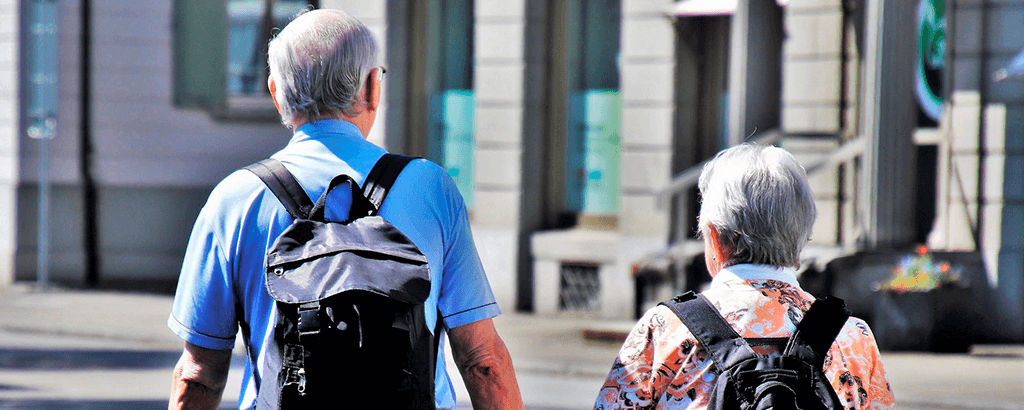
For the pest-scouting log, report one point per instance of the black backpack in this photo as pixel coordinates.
(794, 380)
(350, 329)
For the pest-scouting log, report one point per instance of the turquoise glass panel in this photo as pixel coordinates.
(592, 152)
(451, 139)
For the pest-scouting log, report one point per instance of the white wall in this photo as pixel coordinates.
(8, 136)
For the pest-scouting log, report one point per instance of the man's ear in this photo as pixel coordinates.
(373, 90)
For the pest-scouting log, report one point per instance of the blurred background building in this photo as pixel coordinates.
(575, 130)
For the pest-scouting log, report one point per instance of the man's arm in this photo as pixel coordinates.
(485, 365)
(199, 378)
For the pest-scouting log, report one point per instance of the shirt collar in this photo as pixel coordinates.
(326, 128)
(750, 272)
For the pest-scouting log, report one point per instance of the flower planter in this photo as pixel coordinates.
(939, 320)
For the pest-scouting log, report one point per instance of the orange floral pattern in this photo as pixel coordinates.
(662, 366)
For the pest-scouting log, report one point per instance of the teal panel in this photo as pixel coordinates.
(451, 140)
(200, 54)
(593, 149)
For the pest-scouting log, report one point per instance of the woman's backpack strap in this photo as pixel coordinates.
(817, 331)
(726, 347)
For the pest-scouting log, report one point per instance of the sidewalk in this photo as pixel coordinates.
(549, 350)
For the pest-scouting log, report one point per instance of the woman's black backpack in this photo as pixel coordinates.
(350, 328)
(747, 381)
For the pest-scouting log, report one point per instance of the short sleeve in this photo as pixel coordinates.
(466, 295)
(854, 366)
(203, 312)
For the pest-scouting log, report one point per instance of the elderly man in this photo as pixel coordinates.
(325, 83)
(756, 215)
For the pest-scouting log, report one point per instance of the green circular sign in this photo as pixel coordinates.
(931, 55)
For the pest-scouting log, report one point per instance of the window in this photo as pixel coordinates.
(220, 54)
(580, 287)
(430, 98)
(585, 113)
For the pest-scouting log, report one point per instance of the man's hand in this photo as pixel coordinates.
(199, 378)
(485, 365)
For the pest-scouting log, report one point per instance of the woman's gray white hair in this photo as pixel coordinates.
(319, 63)
(758, 199)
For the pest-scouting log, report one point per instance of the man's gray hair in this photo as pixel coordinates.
(760, 203)
(319, 63)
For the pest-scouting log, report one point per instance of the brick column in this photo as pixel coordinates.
(647, 82)
(499, 55)
(811, 75)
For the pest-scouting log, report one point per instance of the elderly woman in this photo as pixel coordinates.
(756, 215)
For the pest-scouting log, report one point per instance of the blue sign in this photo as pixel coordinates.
(42, 68)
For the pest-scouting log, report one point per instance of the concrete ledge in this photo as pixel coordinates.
(576, 245)
(998, 350)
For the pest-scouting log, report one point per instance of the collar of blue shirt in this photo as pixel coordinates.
(326, 128)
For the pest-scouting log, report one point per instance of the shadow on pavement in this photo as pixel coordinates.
(81, 405)
(90, 405)
(36, 359)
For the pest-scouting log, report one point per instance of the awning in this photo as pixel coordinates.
(690, 8)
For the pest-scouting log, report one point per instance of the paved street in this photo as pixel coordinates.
(104, 350)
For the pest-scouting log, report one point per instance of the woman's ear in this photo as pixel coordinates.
(272, 86)
(715, 254)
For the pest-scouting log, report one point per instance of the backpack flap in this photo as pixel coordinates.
(313, 260)
(360, 205)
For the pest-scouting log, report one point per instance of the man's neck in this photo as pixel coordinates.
(360, 121)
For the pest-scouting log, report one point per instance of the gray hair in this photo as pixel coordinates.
(319, 63)
(760, 203)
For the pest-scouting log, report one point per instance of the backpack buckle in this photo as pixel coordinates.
(309, 320)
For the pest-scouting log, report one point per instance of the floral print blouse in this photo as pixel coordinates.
(662, 366)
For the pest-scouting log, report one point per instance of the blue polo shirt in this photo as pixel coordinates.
(222, 288)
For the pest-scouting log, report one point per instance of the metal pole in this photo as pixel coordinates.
(43, 234)
(91, 231)
(41, 95)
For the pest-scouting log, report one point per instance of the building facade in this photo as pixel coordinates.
(574, 130)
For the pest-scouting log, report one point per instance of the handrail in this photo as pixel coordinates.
(689, 178)
(846, 152)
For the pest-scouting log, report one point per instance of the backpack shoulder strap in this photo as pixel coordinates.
(382, 176)
(726, 347)
(817, 331)
(284, 186)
